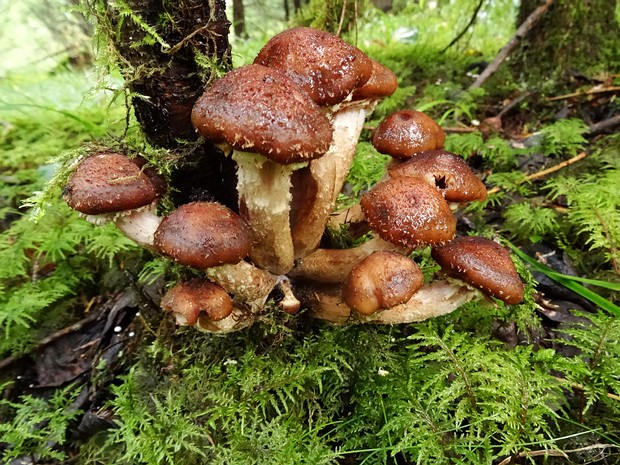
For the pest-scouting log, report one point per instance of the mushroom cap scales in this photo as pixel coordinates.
(324, 65)
(260, 110)
(482, 263)
(110, 182)
(408, 211)
(203, 235)
(406, 132)
(446, 171)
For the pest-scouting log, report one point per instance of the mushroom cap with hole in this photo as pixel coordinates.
(406, 132)
(110, 182)
(446, 171)
(325, 66)
(409, 212)
(482, 263)
(203, 235)
(260, 110)
(382, 83)
(187, 300)
(381, 281)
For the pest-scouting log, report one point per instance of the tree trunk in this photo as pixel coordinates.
(168, 51)
(573, 38)
(160, 44)
(239, 19)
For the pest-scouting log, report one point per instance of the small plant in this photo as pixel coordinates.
(35, 427)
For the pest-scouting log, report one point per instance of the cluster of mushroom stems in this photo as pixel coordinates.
(291, 122)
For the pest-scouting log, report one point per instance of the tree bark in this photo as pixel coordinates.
(159, 43)
(573, 38)
(168, 51)
(239, 19)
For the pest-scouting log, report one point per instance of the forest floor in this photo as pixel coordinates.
(93, 372)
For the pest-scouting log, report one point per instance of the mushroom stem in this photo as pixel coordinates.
(237, 320)
(432, 300)
(333, 265)
(248, 284)
(328, 174)
(264, 189)
(140, 226)
(289, 302)
(351, 215)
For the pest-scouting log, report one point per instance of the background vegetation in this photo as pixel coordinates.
(94, 373)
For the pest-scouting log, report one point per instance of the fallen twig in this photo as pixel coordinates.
(527, 25)
(593, 90)
(604, 125)
(555, 453)
(545, 172)
(466, 28)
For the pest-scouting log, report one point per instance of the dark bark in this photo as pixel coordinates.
(168, 80)
(573, 38)
(163, 72)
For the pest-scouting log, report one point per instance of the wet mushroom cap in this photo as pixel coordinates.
(381, 281)
(325, 66)
(187, 300)
(203, 234)
(382, 83)
(406, 132)
(260, 110)
(409, 212)
(482, 263)
(446, 171)
(112, 182)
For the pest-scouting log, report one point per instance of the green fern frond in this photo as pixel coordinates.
(564, 137)
(37, 426)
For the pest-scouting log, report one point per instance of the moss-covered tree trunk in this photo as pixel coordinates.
(168, 51)
(573, 37)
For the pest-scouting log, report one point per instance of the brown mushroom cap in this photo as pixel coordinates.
(406, 132)
(111, 182)
(380, 281)
(482, 263)
(446, 171)
(382, 83)
(189, 299)
(325, 66)
(203, 235)
(407, 211)
(258, 109)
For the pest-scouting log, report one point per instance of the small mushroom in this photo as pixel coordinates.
(446, 171)
(409, 212)
(333, 265)
(211, 237)
(483, 264)
(274, 128)
(110, 186)
(431, 300)
(187, 300)
(407, 132)
(381, 281)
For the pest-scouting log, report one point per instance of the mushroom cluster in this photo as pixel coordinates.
(291, 121)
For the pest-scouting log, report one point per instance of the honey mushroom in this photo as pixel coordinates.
(347, 85)
(291, 122)
(110, 186)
